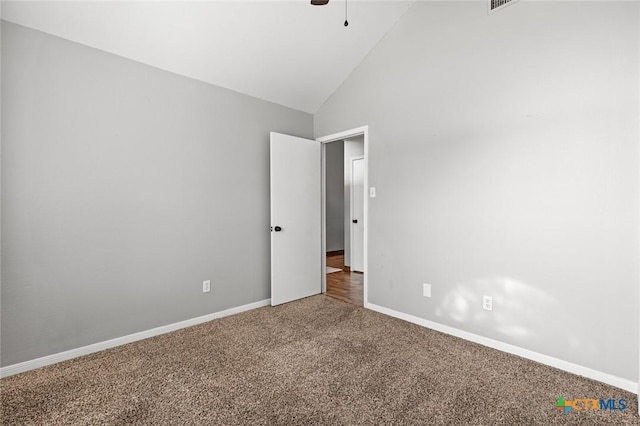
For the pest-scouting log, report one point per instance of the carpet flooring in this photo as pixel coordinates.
(314, 361)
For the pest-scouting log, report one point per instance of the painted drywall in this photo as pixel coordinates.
(0, 182)
(334, 157)
(504, 150)
(123, 188)
(352, 148)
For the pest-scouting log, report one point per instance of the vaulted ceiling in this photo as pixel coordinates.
(287, 52)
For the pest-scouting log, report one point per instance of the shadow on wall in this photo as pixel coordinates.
(516, 316)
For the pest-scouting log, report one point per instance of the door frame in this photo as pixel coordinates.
(335, 137)
(351, 196)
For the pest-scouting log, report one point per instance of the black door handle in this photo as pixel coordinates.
(355, 221)
(278, 229)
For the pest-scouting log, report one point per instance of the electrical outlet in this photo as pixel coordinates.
(426, 290)
(487, 303)
(206, 286)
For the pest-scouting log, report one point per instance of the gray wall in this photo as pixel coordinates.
(504, 149)
(123, 188)
(335, 196)
(352, 148)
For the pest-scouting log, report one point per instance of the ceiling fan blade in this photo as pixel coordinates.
(319, 2)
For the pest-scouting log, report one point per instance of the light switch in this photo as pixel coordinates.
(372, 192)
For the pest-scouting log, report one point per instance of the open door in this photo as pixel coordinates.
(357, 214)
(296, 242)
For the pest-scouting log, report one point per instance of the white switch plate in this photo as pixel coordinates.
(426, 290)
(487, 303)
(372, 192)
(206, 286)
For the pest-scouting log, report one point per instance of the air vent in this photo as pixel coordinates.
(495, 5)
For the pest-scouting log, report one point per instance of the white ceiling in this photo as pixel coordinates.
(287, 52)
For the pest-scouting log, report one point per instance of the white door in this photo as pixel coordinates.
(296, 184)
(357, 214)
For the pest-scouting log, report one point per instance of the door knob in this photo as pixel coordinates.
(278, 229)
(355, 221)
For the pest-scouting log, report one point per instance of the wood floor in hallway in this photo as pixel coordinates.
(344, 285)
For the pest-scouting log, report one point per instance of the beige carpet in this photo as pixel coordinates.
(315, 361)
(331, 270)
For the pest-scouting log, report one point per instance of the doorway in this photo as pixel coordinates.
(344, 196)
(340, 280)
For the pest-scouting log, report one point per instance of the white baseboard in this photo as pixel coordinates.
(10, 370)
(609, 379)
